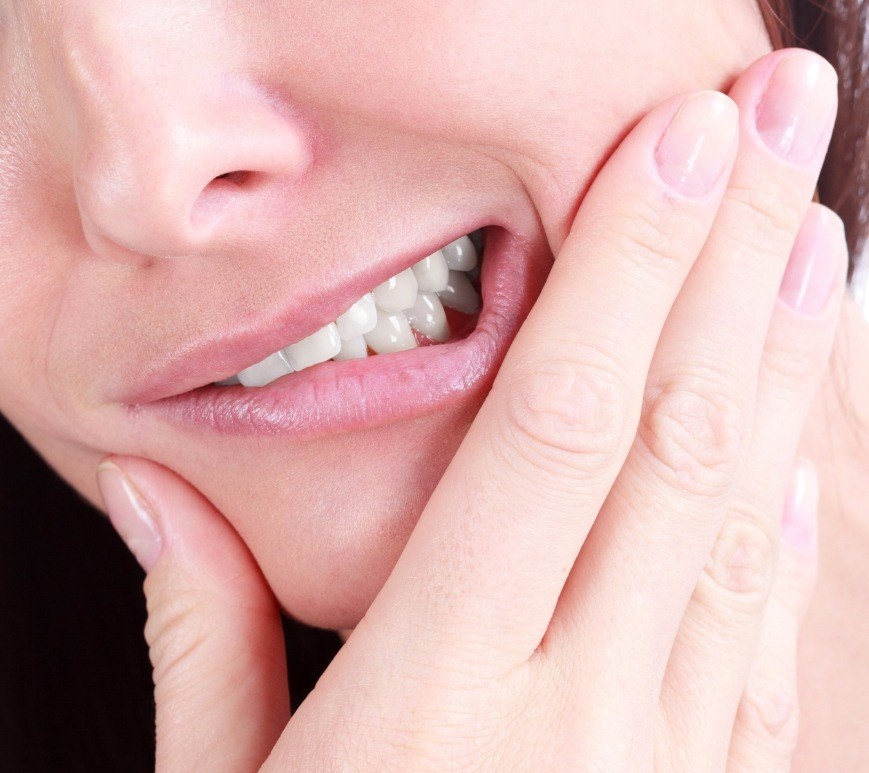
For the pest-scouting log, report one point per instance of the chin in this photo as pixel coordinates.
(327, 548)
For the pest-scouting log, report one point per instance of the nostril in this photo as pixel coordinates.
(237, 178)
(219, 196)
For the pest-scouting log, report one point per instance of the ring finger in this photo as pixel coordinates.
(719, 632)
(765, 732)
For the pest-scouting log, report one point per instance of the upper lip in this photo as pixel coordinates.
(213, 355)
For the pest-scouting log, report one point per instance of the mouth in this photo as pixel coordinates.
(409, 309)
(430, 335)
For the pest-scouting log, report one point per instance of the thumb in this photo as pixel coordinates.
(213, 630)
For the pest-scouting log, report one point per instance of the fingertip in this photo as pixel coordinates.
(130, 514)
(817, 267)
(698, 146)
(799, 526)
(188, 526)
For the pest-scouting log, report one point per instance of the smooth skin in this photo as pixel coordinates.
(116, 118)
(595, 583)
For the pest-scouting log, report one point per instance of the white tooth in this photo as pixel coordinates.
(431, 272)
(358, 319)
(317, 347)
(460, 294)
(461, 255)
(391, 334)
(231, 381)
(272, 367)
(428, 317)
(397, 293)
(352, 349)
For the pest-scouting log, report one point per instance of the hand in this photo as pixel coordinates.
(648, 415)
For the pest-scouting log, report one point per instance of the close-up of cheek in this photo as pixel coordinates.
(116, 328)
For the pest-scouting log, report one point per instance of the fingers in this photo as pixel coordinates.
(490, 553)
(213, 629)
(719, 631)
(665, 510)
(765, 731)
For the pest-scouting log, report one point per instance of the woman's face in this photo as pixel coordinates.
(185, 188)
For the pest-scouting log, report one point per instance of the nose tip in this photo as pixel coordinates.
(170, 186)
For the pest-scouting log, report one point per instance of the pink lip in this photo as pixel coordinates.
(355, 394)
(213, 356)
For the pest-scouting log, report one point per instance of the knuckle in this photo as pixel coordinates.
(792, 367)
(763, 210)
(739, 572)
(567, 418)
(693, 432)
(176, 629)
(793, 364)
(648, 239)
(769, 713)
(429, 730)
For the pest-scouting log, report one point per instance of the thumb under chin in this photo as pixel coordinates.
(213, 629)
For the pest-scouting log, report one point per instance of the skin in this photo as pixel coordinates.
(834, 672)
(528, 139)
(489, 613)
(519, 116)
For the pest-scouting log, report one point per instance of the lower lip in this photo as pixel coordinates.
(361, 394)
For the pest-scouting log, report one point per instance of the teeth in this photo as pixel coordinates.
(397, 293)
(392, 333)
(427, 316)
(272, 367)
(431, 273)
(461, 255)
(353, 348)
(460, 294)
(359, 319)
(385, 319)
(317, 347)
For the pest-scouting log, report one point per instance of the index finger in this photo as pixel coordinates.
(495, 543)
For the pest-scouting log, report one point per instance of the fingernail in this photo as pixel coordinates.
(799, 526)
(814, 261)
(793, 114)
(129, 514)
(693, 152)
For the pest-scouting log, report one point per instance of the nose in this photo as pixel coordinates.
(164, 169)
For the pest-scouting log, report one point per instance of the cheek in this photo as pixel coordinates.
(548, 90)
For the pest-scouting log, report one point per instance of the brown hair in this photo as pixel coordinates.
(839, 31)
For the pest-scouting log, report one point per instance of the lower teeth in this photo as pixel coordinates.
(385, 319)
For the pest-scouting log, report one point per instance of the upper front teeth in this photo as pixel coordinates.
(272, 367)
(359, 319)
(318, 347)
(431, 272)
(383, 318)
(461, 255)
(397, 293)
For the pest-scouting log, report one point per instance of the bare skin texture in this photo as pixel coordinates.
(531, 110)
(366, 129)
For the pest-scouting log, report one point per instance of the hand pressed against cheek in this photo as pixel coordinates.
(181, 178)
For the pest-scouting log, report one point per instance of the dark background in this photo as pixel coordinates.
(75, 680)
